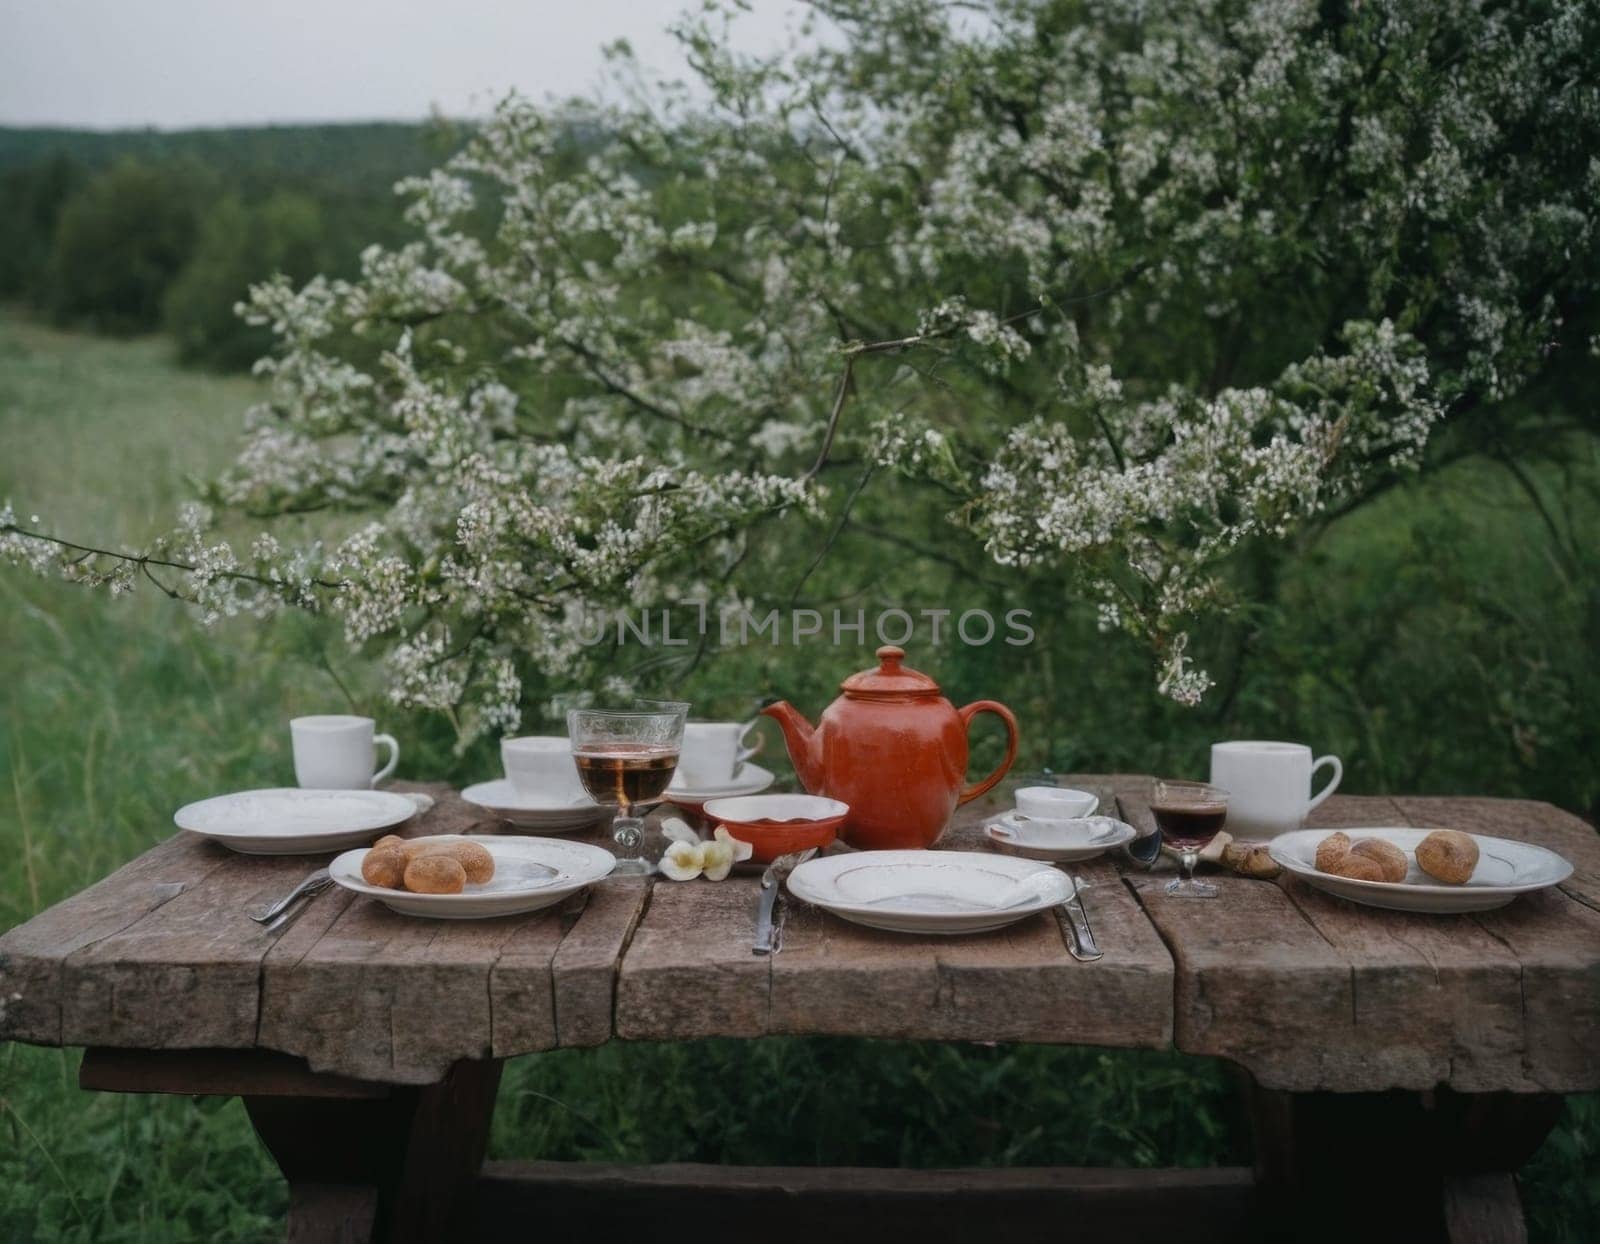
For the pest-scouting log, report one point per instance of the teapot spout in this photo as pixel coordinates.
(798, 734)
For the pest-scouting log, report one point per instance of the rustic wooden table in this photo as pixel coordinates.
(1395, 1061)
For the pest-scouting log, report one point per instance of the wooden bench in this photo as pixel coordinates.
(1422, 1059)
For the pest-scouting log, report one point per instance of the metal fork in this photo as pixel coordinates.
(315, 884)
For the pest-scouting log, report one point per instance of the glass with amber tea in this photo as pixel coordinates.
(626, 759)
(1189, 814)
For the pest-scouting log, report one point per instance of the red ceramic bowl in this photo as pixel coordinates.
(776, 825)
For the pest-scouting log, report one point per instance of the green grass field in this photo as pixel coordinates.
(117, 712)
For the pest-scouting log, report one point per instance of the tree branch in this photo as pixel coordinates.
(846, 379)
(596, 369)
(144, 561)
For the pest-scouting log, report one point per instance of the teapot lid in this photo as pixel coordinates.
(890, 678)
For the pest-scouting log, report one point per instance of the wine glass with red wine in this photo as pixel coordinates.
(1189, 814)
(626, 759)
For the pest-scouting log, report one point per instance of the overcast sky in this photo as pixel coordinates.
(177, 63)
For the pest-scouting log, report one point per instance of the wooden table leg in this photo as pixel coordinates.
(1415, 1166)
(395, 1169)
(365, 1161)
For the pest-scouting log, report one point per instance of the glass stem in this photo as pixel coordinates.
(628, 832)
(1191, 857)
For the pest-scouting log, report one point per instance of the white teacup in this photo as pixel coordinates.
(1055, 803)
(543, 766)
(338, 752)
(1269, 784)
(713, 752)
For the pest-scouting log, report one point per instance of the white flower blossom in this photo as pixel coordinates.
(1020, 270)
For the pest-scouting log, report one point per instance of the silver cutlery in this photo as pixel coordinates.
(766, 942)
(1082, 945)
(290, 914)
(312, 885)
(783, 903)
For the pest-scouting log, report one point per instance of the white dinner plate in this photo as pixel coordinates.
(1061, 842)
(1505, 869)
(944, 892)
(290, 821)
(529, 873)
(556, 814)
(752, 780)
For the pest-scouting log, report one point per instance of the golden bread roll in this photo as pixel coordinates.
(1331, 850)
(410, 847)
(1448, 855)
(473, 857)
(435, 874)
(1357, 868)
(385, 866)
(1388, 857)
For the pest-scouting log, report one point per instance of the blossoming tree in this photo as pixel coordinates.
(1105, 290)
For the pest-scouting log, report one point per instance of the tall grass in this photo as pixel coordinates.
(114, 714)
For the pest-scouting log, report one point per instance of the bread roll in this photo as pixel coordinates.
(1331, 850)
(1358, 868)
(473, 857)
(435, 874)
(1448, 855)
(410, 847)
(1388, 857)
(385, 866)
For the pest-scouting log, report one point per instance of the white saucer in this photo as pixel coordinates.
(751, 781)
(944, 892)
(502, 799)
(1061, 842)
(529, 873)
(288, 820)
(1505, 869)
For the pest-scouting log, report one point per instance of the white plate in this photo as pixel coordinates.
(290, 821)
(923, 891)
(529, 873)
(751, 781)
(1062, 842)
(1505, 870)
(502, 799)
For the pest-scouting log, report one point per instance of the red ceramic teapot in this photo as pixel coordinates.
(895, 750)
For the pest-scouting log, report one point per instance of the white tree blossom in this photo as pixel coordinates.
(1116, 287)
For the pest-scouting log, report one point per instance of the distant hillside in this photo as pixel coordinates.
(129, 231)
(332, 157)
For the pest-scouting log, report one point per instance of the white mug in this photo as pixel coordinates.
(1269, 784)
(542, 766)
(339, 752)
(713, 752)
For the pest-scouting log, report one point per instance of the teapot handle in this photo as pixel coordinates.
(1004, 714)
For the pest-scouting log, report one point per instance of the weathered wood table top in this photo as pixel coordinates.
(1305, 991)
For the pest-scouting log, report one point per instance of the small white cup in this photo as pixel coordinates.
(543, 766)
(338, 752)
(1055, 803)
(713, 752)
(1269, 784)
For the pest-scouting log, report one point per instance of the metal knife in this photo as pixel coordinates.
(1087, 948)
(769, 896)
